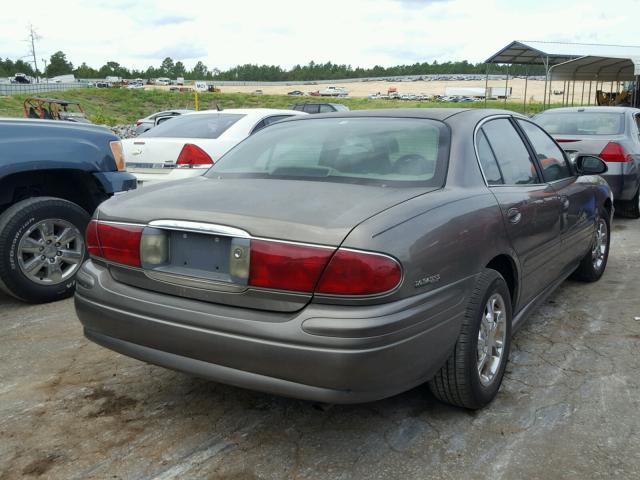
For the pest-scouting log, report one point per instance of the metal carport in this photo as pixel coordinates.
(551, 54)
(602, 70)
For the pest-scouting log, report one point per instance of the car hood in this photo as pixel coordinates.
(303, 211)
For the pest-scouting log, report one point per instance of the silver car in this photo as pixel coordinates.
(351, 256)
(147, 123)
(613, 134)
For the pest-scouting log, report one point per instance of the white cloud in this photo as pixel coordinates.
(286, 32)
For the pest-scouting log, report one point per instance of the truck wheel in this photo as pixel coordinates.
(594, 262)
(473, 373)
(630, 208)
(41, 248)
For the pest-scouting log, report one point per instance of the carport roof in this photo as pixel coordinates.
(529, 52)
(608, 69)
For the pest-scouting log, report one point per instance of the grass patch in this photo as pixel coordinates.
(121, 105)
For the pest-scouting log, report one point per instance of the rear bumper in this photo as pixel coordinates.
(358, 354)
(145, 179)
(623, 186)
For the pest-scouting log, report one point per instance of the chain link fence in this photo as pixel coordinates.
(30, 88)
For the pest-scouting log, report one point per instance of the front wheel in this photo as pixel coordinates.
(41, 248)
(473, 373)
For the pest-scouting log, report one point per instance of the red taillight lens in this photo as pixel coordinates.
(286, 266)
(113, 242)
(614, 152)
(359, 273)
(192, 156)
(138, 123)
(91, 239)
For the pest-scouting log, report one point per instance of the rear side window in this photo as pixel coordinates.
(510, 153)
(326, 109)
(194, 126)
(312, 108)
(488, 161)
(582, 123)
(550, 156)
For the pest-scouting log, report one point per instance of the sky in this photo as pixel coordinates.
(140, 33)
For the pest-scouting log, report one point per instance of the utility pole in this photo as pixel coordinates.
(44, 60)
(33, 36)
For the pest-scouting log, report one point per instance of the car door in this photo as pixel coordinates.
(530, 207)
(577, 199)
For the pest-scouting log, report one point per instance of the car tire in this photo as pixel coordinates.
(464, 381)
(29, 231)
(630, 208)
(594, 262)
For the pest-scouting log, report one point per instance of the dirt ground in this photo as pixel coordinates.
(535, 88)
(568, 407)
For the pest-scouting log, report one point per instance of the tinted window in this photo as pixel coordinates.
(550, 156)
(268, 121)
(511, 154)
(300, 108)
(488, 161)
(582, 123)
(326, 109)
(312, 108)
(195, 126)
(389, 151)
(340, 108)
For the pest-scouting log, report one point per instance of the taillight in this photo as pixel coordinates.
(352, 272)
(114, 242)
(138, 123)
(614, 152)
(192, 156)
(303, 268)
(286, 266)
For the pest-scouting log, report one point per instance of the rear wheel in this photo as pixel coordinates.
(594, 262)
(473, 373)
(41, 248)
(630, 208)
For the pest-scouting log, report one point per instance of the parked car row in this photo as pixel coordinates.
(374, 250)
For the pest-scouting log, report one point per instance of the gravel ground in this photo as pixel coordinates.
(568, 407)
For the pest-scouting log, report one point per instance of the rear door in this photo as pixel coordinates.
(530, 206)
(577, 199)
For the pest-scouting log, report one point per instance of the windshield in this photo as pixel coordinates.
(582, 123)
(388, 151)
(194, 126)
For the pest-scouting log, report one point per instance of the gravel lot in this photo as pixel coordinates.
(568, 407)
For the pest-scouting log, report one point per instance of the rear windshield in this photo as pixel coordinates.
(383, 151)
(194, 126)
(582, 123)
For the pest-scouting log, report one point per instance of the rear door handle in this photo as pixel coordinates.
(514, 215)
(565, 202)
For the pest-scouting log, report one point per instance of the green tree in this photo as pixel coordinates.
(167, 67)
(58, 65)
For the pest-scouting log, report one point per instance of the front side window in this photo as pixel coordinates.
(510, 153)
(312, 108)
(326, 109)
(381, 151)
(550, 156)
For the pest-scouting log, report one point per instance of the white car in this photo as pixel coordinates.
(187, 145)
(332, 91)
(147, 123)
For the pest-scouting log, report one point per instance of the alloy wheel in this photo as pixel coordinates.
(491, 339)
(600, 245)
(50, 252)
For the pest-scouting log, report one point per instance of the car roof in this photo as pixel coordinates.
(250, 111)
(604, 109)
(440, 114)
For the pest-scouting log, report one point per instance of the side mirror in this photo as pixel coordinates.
(590, 165)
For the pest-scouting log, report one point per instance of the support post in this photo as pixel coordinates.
(545, 60)
(526, 79)
(589, 97)
(573, 91)
(582, 96)
(486, 86)
(506, 85)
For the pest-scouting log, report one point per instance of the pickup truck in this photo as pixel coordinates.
(52, 177)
